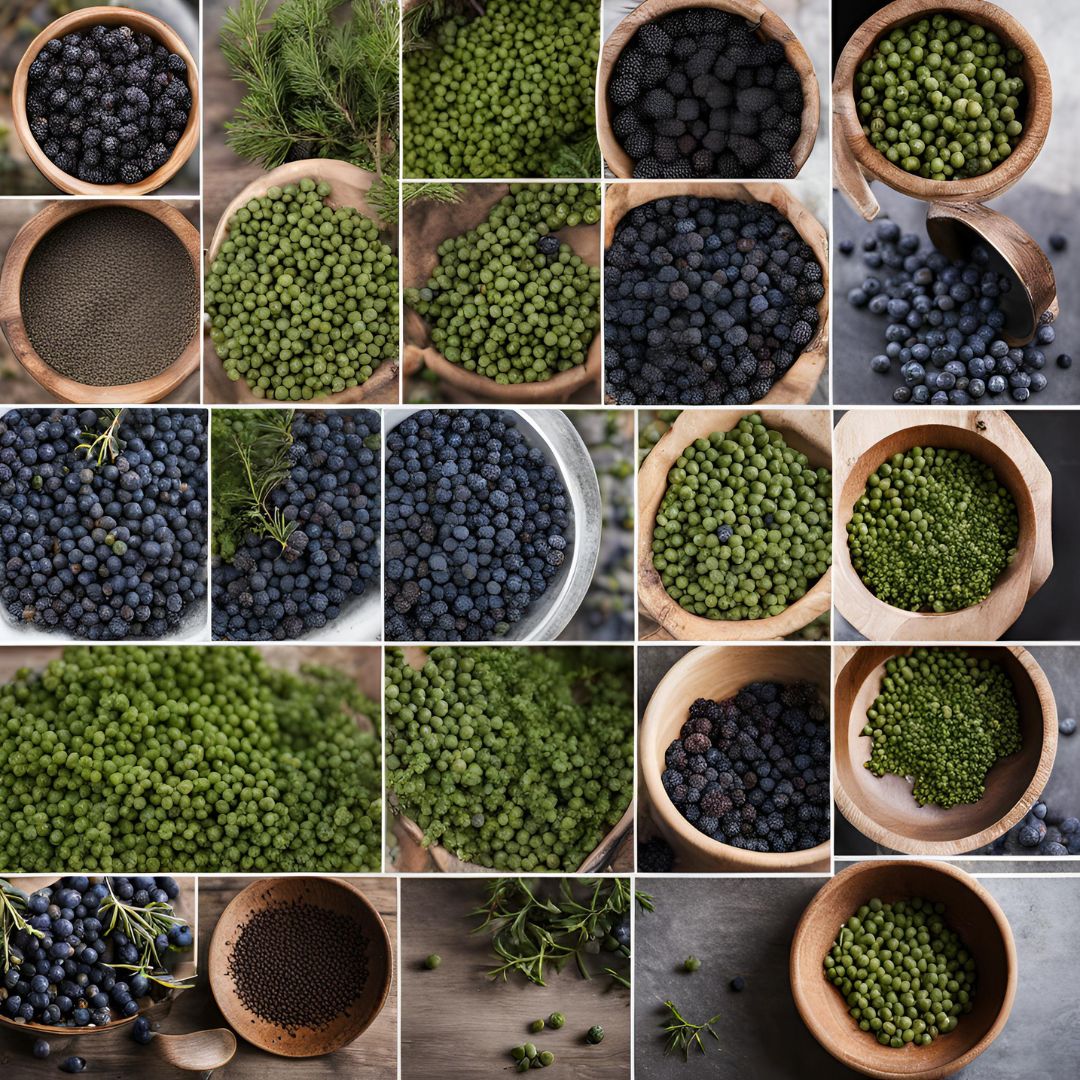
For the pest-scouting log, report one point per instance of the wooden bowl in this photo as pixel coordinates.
(106, 16)
(426, 226)
(804, 430)
(769, 26)
(799, 382)
(11, 321)
(334, 894)
(349, 187)
(884, 809)
(970, 910)
(718, 672)
(865, 438)
(856, 161)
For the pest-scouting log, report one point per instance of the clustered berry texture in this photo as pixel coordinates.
(745, 526)
(509, 300)
(943, 718)
(752, 770)
(696, 93)
(933, 530)
(478, 523)
(107, 105)
(500, 94)
(945, 321)
(200, 758)
(707, 302)
(103, 531)
(514, 758)
(1041, 831)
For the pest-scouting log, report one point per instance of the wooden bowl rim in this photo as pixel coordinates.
(147, 24)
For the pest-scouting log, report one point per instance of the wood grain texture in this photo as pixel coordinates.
(970, 910)
(769, 27)
(863, 439)
(883, 808)
(457, 1024)
(807, 431)
(849, 141)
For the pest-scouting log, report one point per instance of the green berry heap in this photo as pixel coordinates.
(515, 758)
(302, 298)
(943, 717)
(933, 530)
(941, 98)
(508, 299)
(744, 528)
(194, 758)
(503, 93)
(904, 974)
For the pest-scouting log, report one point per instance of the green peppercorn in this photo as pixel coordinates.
(433, 961)
(524, 1065)
(530, 1051)
(518, 1053)
(594, 1035)
(556, 1020)
(536, 1025)
(547, 1058)
(691, 963)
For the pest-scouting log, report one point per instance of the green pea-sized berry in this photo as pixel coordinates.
(536, 1026)
(691, 964)
(547, 1058)
(556, 1020)
(433, 961)
(594, 1035)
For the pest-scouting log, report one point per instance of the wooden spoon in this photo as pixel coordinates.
(197, 1051)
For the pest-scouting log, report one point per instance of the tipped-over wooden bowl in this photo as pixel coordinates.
(866, 438)
(804, 430)
(883, 808)
(426, 226)
(769, 27)
(334, 894)
(81, 20)
(969, 910)
(799, 382)
(11, 320)
(349, 187)
(856, 161)
(718, 672)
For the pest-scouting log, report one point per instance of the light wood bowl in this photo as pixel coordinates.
(349, 187)
(884, 809)
(856, 162)
(864, 439)
(426, 226)
(106, 16)
(11, 320)
(806, 431)
(769, 27)
(970, 911)
(338, 895)
(718, 672)
(798, 383)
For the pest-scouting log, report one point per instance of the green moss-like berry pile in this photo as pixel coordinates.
(904, 973)
(744, 528)
(943, 718)
(508, 299)
(514, 758)
(302, 298)
(941, 98)
(194, 758)
(503, 93)
(933, 530)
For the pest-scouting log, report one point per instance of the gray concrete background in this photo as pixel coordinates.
(743, 926)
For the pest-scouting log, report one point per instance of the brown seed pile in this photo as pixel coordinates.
(297, 965)
(110, 296)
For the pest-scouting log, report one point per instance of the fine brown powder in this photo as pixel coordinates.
(110, 297)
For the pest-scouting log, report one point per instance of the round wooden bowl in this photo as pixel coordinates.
(866, 438)
(806, 431)
(718, 672)
(799, 382)
(426, 226)
(349, 187)
(11, 321)
(856, 162)
(969, 910)
(769, 27)
(106, 16)
(334, 894)
(884, 809)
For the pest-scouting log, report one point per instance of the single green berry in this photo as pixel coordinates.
(691, 963)
(547, 1058)
(433, 961)
(594, 1035)
(556, 1020)
(536, 1025)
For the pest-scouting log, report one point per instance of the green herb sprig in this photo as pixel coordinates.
(12, 906)
(104, 444)
(681, 1034)
(142, 927)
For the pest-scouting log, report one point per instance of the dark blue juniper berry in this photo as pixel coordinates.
(103, 520)
(477, 525)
